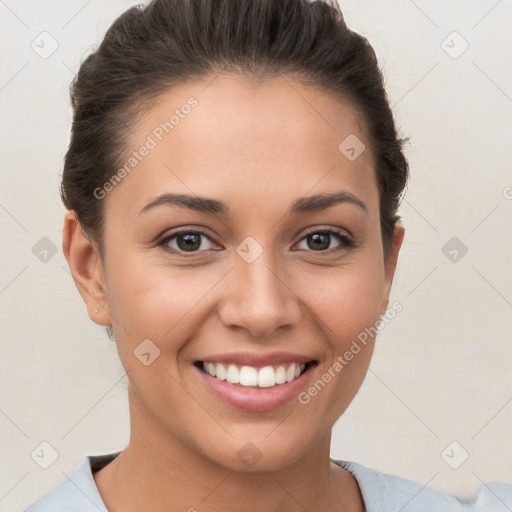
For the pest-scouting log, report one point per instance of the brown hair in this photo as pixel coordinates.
(148, 50)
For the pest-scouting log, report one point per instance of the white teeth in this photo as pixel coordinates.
(290, 373)
(248, 376)
(232, 375)
(220, 372)
(265, 377)
(280, 376)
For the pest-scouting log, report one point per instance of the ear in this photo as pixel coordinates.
(398, 238)
(83, 257)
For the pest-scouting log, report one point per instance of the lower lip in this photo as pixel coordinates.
(253, 398)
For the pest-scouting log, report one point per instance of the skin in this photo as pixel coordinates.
(257, 147)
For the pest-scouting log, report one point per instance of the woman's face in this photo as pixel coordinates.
(265, 285)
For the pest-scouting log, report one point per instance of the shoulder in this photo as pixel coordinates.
(77, 492)
(383, 492)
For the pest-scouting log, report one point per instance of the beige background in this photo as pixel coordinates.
(441, 370)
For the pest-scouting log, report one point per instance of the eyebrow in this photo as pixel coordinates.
(209, 206)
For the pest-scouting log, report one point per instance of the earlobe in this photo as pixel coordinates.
(86, 268)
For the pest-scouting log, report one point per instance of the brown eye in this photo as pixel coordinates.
(320, 240)
(187, 241)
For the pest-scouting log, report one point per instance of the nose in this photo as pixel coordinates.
(259, 298)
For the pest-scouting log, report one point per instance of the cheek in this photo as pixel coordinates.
(347, 302)
(167, 305)
(157, 302)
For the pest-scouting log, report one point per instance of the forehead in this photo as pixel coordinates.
(247, 141)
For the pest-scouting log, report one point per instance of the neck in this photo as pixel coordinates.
(158, 472)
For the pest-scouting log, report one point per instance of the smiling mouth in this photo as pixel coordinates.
(249, 376)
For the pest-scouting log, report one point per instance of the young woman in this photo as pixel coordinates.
(232, 185)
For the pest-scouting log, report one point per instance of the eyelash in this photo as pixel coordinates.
(347, 243)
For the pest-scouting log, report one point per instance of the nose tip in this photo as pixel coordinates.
(259, 300)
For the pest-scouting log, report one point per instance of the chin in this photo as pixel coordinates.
(254, 454)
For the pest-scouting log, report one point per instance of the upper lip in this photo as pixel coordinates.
(258, 360)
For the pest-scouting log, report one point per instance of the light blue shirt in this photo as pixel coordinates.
(382, 492)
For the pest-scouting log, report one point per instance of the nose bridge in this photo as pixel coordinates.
(259, 299)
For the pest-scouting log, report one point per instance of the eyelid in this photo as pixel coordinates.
(167, 237)
(317, 229)
(180, 231)
(347, 241)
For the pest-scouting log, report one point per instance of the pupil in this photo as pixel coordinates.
(316, 238)
(191, 243)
